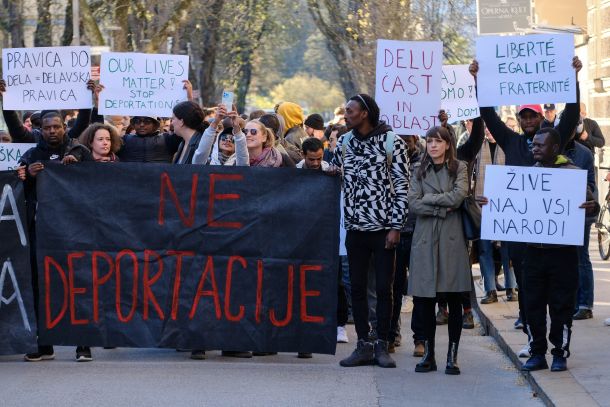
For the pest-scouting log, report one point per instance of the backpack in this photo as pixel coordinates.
(389, 150)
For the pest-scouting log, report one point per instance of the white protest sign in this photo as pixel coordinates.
(142, 84)
(408, 84)
(526, 69)
(46, 78)
(534, 205)
(458, 94)
(10, 153)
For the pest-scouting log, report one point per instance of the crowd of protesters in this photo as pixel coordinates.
(401, 207)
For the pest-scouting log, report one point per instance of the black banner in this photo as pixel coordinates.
(17, 319)
(196, 257)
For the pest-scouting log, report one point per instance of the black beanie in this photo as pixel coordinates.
(315, 121)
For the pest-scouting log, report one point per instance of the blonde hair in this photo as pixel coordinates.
(270, 141)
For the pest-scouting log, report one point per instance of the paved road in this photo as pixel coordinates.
(151, 377)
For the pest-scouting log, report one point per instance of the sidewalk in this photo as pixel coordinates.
(587, 382)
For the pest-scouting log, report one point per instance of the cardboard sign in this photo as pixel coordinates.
(142, 84)
(526, 69)
(10, 153)
(17, 318)
(46, 78)
(408, 84)
(534, 205)
(458, 95)
(203, 257)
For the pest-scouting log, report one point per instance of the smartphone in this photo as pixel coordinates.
(227, 100)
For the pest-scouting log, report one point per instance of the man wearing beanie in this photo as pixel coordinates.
(314, 126)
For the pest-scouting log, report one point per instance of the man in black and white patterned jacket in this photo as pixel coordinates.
(375, 167)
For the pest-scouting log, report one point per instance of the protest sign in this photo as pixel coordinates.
(458, 94)
(10, 153)
(534, 205)
(195, 257)
(17, 318)
(525, 69)
(46, 78)
(142, 84)
(408, 84)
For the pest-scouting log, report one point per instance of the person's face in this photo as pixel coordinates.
(226, 144)
(436, 147)
(529, 121)
(176, 123)
(53, 131)
(145, 125)
(255, 137)
(165, 125)
(102, 143)
(313, 159)
(542, 148)
(354, 115)
(583, 110)
(550, 115)
(411, 143)
(332, 140)
(309, 131)
(468, 125)
(5, 137)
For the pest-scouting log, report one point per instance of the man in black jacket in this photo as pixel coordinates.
(517, 149)
(590, 135)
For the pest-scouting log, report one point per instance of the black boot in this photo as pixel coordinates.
(427, 364)
(452, 365)
(363, 355)
(382, 356)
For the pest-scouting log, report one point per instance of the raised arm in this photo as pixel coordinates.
(469, 150)
(202, 154)
(571, 114)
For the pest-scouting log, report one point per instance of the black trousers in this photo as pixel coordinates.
(551, 280)
(342, 305)
(403, 257)
(361, 246)
(516, 253)
(423, 310)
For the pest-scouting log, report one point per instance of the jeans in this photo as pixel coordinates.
(486, 261)
(585, 273)
(361, 247)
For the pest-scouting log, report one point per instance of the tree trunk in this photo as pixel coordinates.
(43, 30)
(207, 87)
(121, 18)
(179, 14)
(15, 23)
(92, 30)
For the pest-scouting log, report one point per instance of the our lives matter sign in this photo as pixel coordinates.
(46, 78)
(525, 69)
(458, 94)
(142, 84)
(534, 205)
(10, 153)
(17, 318)
(196, 257)
(408, 84)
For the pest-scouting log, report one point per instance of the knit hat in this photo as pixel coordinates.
(315, 121)
(292, 114)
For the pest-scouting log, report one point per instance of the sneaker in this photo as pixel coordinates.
(535, 362)
(342, 335)
(44, 353)
(83, 354)
(518, 324)
(490, 297)
(442, 316)
(198, 354)
(525, 352)
(362, 355)
(559, 364)
(582, 313)
(468, 320)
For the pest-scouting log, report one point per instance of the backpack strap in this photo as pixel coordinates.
(347, 137)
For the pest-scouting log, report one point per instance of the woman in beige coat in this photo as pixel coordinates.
(439, 255)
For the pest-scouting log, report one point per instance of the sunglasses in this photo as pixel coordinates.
(226, 137)
(253, 132)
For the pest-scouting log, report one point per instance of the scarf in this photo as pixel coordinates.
(270, 157)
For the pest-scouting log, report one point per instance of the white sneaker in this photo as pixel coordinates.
(342, 335)
(525, 352)
(607, 322)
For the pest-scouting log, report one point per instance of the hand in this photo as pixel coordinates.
(189, 89)
(21, 172)
(2, 86)
(91, 85)
(392, 239)
(35, 168)
(589, 206)
(474, 68)
(69, 159)
(443, 117)
(219, 115)
(584, 135)
(334, 170)
(235, 122)
(96, 93)
(577, 65)
(482, 200)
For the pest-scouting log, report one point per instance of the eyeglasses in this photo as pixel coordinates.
(253, 132)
